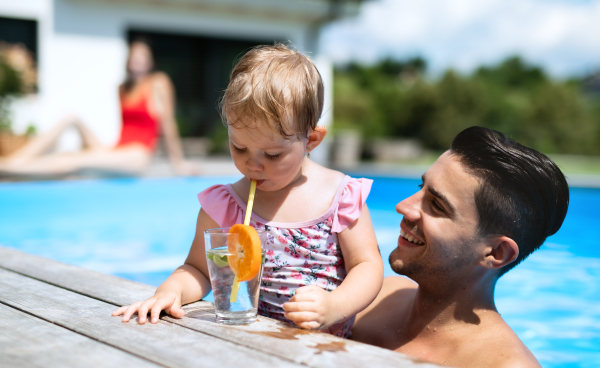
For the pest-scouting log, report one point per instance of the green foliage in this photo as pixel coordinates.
(10, 85)
(10, 82)
(219, 137)
(392, 98)
(31, 130)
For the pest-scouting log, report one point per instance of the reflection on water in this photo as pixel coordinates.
(142, 230)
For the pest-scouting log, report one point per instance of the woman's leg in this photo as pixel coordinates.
(90, 140)
(42, 143)
(127, 160)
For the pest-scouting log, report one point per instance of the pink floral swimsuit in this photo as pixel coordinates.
(297, 254)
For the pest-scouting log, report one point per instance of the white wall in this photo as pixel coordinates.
(82, 53)
(321, 153)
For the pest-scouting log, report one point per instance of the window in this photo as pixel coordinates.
(15, 31)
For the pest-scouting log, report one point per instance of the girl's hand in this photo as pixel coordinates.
(169, 301)
(312, 308)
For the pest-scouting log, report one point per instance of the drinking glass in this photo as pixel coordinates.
(244, 309)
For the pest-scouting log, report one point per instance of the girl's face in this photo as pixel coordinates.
(262, 155)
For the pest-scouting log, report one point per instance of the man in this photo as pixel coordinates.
(484, 206)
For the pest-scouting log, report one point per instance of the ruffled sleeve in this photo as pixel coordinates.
(220, 205)
(350, 203)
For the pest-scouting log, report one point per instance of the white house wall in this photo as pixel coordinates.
(82, 53)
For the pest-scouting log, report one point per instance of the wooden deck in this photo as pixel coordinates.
(57, 315)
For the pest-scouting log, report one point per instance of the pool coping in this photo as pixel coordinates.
(415, 171)
(224, 166)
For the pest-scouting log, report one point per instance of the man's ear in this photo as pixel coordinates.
(315, 137)
(501, 250)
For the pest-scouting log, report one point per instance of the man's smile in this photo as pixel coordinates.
(410, 235)
(410, 238)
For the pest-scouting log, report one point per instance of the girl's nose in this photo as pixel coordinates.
(410, 208)
(254, 164)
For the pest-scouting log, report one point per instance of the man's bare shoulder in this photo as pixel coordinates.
(497, 336)
(376, 325)
(513, 352)
(393, 287)
(518, 358)
(392, 283)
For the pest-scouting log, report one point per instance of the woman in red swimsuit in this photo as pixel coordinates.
(147, 107)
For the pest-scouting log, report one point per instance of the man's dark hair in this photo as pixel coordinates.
(522, 195)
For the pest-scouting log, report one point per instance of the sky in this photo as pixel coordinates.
(563, 36)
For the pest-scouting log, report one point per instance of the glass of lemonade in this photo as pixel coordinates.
(243, 310)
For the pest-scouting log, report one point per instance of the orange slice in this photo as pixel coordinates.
(245, 252)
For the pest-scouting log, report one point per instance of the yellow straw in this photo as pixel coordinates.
(250, 202)
(236, 285)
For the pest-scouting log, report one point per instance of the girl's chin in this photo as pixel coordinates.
(268, 186)
(265, 186)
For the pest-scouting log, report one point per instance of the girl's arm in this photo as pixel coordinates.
(186, 284)
(315, 308)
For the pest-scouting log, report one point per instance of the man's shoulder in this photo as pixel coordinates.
(393, 283)
(396, 290)
(510, 351)
(515, 353)
(377, 323)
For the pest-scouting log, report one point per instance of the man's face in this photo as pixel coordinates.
(439, 238)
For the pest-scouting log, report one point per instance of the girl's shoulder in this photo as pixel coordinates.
(324, 179)
(349, 201)
(333, 177)
(342, 199)
(222, 205)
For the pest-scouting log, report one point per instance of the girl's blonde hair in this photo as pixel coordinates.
(277, 86)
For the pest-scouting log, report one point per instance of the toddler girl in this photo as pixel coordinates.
(322, 262)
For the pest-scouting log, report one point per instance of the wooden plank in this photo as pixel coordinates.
(319, 350)
(164, 343)
(270, 336)
(27, 341)
(108, 288)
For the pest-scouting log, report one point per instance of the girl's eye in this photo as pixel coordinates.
(273, 157)
(239, 149)
(420, 186)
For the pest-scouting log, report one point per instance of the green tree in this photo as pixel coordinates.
(391, 99)
(10, 84)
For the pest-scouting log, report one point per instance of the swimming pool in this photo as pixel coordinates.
(142, 230)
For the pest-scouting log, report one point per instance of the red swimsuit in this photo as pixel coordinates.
(139, 126)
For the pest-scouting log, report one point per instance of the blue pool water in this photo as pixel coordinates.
(142, 230)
